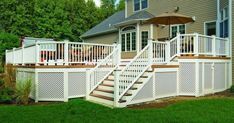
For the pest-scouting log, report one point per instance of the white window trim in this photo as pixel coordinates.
(125, 34)
(177, 25)
(141, 37)
(140, 6)
(223, 19)
(205, 33)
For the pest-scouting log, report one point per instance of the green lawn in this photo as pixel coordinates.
(78, 111)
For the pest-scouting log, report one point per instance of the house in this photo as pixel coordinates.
(124, 60)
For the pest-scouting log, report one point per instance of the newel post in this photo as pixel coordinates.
(196, 47)
(13, 56)
(227, 48)
(37, 57)
(66, 52)
(214, 45)
(22, 55)
(178, 44)
(168, 51)
(150, 52)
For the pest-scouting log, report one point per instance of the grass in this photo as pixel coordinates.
(78, 111)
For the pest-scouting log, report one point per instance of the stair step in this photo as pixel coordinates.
(108, 82)
(102, 97)
(109, 85)
(143, 76)
(106, 88)
(103, 93)
(122, 101)
(133, 88)
(138, 82)
(107, 91)
(149, 71)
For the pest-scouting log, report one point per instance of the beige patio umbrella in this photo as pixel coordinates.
(170, 19)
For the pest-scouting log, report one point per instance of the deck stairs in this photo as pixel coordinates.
(104, 93)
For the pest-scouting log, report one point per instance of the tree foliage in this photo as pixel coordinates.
(58, 19)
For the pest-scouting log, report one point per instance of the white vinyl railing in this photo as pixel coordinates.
(193, 44)
(104, 68)
(133, 71)
(159, 52)
(59, 53)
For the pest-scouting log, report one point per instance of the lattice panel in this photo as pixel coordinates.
(207, 77)
(187, 78)
(23, 76)
(76, 84)
(51, 86)
(165, 84)
(219, 76)
(146, 92)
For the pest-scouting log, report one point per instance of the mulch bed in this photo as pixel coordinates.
(162, 103)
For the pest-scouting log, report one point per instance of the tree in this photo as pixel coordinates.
(120, 5)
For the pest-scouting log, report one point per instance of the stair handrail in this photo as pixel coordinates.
(147, 51)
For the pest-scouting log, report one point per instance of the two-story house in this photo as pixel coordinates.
(127, 27)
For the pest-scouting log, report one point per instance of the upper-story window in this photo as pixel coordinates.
(224, 23)
(140, 4)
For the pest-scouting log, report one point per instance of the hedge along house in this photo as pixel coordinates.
(124, 60)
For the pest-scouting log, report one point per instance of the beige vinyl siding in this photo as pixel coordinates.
(203, 10)
(103, 39)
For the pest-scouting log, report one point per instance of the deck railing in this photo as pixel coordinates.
(59, 53)
(190, 44)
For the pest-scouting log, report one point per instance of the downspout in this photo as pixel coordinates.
(230, 35)
(218, 19)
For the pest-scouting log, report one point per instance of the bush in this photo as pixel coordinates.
(7, 41)
(23, 90)
(232, 89)
(6, 95)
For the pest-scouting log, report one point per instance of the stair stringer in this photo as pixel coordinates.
(130, 98)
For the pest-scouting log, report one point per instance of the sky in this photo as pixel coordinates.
(98, 2)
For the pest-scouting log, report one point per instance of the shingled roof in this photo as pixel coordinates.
(107, 26)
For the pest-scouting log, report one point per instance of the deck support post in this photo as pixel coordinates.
(65, 86)
(36, 87)
(87, 84)
(116, 88)
(197, 79)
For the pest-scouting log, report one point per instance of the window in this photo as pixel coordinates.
(128, 39)
(144, 39)
(210, 28)
(177, 28)
(224, 23)
(140, 4)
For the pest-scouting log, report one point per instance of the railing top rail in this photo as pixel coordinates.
(80, 43)
(187, 34)
(206, 36)
(226, 39)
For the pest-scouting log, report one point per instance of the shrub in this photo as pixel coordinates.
(23, 90)
(7, 41)
(232, 89)
(6, 95)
